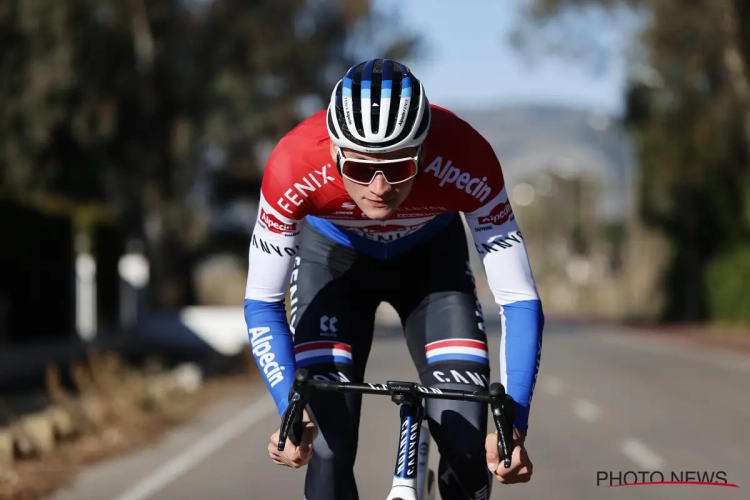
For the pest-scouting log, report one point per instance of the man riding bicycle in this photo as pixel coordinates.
(360, 204)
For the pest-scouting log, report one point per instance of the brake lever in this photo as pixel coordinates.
(503, 414)
(291, 422)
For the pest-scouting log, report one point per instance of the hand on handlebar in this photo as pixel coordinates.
(295, 456)
(521, 467)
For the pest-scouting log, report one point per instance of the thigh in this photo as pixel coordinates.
(441, 313)
(444, 330)
(449, 350)
(331, 315)
(332, 322)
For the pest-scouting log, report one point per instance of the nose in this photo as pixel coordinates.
(379, 186)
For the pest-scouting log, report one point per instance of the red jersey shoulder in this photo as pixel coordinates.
(300, 174)
(459, 167)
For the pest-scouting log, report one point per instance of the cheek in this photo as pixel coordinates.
(404, 190)
(353, 189)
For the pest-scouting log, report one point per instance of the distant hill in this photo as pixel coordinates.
(528, 139)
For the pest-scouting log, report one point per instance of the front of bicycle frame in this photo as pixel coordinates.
(409, 396)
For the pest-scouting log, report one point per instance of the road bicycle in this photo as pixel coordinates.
(412, 480)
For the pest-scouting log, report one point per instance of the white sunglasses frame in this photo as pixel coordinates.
(343, 159)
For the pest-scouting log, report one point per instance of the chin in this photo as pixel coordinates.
(379, 213)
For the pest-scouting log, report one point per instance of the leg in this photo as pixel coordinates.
(458, 427)
(333, 328)
(444, 329)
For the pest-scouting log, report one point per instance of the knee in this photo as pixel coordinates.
(460, 439)
(338, 434)
(459, 430)
(335, 453)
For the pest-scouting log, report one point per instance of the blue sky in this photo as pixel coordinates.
(468, 37)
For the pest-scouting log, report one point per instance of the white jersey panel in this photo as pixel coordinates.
(501, 248)
(273, 248)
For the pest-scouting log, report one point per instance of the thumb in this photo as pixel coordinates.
(308, 436)
(490, 447)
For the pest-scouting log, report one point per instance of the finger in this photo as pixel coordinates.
(519, 479)
(499, 470)
(304, 453)
(512, 479)
(519, 474)
(286, 456)
(275, 439)
(527, 461)
(309, 435)
(519, 462)
(510, 475)
(274, 452)
(515, 480)
(490, 447)
(490, 442)
(504, 479)
(276, 457)
(505, 475)
(524, 471)
(304, 448)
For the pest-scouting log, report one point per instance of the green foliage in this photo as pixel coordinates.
(728, 286)
(105, 99)
(688, 111)
(117, 102)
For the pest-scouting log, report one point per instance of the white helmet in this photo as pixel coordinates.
(362, 115)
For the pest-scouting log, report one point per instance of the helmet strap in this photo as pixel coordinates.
(420, 157)
(339, 168)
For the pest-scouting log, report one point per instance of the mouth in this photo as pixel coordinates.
(378, 204)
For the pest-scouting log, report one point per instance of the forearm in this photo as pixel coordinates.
(520, 354)
(501, 247)
(272, 347)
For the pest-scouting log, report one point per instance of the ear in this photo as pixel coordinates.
(334, 149)
(335, 156)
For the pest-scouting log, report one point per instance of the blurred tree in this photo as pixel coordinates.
(111, 100)
(688, 107)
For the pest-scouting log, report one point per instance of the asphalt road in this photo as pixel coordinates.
(605, 401)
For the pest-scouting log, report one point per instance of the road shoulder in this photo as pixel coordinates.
(117, 475)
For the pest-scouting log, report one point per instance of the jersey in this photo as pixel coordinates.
(459, 173)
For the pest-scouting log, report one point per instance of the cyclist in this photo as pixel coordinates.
(360, 204)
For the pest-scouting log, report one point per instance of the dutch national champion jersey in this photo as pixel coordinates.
(459, 173)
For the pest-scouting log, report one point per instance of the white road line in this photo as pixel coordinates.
(553, 386)
(639, 453)
(201, 450)
(586, 410)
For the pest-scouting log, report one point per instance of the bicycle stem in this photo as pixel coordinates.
(412, 415)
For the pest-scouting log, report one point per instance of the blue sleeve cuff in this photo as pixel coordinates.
(272, 347)
(524, 323)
